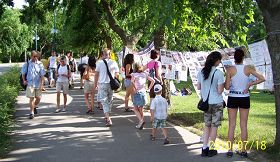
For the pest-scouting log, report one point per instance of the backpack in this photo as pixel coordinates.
(21, 80)
(68, 67)
(72, 65)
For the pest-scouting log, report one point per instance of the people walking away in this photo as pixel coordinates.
(73, 67)
(154, 67)
(211, 86)
(52, 65)
(238, 84)
(159, 107)
(88, 76)
(82, 66)
(138, 80)
(34, 81)
(63, 73)
(128, 61)
(103, 81)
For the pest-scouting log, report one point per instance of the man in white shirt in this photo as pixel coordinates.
(63, 73)
(103, 81)
(52, 65)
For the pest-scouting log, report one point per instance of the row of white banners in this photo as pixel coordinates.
(175, 65)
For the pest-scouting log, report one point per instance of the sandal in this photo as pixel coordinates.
(89, 111)
(127, 110)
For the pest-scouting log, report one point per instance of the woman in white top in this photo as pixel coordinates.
(238, 84)
(63, 73)
(88, 76)
(214, 115)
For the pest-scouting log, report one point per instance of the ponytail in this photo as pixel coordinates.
(211, 59)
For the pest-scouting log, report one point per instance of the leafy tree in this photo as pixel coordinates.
(15, 36)
(271, 14)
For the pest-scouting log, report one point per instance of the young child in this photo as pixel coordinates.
(139, 79)
(158, 108)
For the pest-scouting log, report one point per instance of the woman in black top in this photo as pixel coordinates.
(128, 61)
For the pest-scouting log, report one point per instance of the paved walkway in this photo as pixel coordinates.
(75, 136)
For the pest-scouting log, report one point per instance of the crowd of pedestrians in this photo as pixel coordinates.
(95, 79)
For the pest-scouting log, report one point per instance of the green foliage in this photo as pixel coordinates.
(9, 87)
(261, 117)
(15, 36)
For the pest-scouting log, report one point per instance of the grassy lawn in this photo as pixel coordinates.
(261, 124)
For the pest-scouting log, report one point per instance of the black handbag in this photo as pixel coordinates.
(203, 105)
(114, 82)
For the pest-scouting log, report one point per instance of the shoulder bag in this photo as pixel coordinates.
(203, 105)
(114, 82)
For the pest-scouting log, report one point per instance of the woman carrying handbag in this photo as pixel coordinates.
(211, 89)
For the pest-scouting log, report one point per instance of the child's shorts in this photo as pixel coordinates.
(139, 99)
(159, 123)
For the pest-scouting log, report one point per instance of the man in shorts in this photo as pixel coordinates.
(34, 81)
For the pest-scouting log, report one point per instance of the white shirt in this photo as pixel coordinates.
(214, 97)
(159, 105)
(53, 62)
(62, 70)
(102, 69)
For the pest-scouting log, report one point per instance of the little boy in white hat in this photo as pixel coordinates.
(159, 108)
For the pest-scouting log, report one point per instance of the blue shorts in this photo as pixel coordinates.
(127, 83)
(139, 99)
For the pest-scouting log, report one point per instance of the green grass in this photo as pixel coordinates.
(261, 123)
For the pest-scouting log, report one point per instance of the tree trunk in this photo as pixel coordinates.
(159, 41)
(271, 13)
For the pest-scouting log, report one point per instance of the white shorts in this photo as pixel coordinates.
(64, 86)
(32, 92)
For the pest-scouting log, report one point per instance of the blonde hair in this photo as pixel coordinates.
(138, 68)
(106, 52)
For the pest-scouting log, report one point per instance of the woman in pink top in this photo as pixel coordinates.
(154, 67)
(138, 80)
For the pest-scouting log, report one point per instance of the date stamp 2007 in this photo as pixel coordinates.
(248, 145)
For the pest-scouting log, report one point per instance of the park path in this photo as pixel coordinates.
(75, 136)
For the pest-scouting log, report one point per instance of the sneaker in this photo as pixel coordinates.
(142, 125)
(166, 141)
(243, 154)
(229, 154)
(63, 110)
(108, 122)
(152, 137)
(212, 153)
(31, 116)
(35, 110)
(57, 110)
(204, 152)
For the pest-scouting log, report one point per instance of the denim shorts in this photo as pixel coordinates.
(139, 99)
(127, 83)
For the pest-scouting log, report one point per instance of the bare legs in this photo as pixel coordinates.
(232, 113)
(128, 93)
(90, 104)
(58, 100)
(33, 103)
(232, 123)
